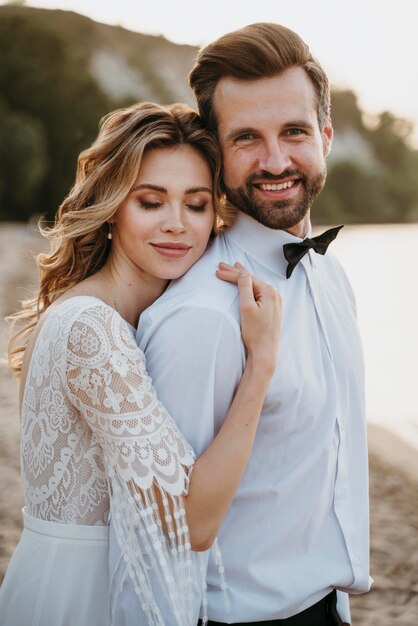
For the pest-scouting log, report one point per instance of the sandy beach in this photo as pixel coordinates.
(393, 600)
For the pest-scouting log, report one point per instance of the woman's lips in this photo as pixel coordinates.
(171, 249)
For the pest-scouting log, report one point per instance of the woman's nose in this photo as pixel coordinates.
(174, 220)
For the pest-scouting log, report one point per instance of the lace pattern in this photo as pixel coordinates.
(93, 428)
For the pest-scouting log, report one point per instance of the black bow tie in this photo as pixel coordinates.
(294, 252)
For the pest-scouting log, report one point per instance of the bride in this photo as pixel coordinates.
(95, 440)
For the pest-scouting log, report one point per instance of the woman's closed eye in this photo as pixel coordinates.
(150, 205)
(198, 207)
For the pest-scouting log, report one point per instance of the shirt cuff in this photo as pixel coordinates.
(343, 606)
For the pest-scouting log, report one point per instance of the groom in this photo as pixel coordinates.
(296, 537)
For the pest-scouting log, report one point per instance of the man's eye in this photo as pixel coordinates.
(294, 132)
(244, 137)
(149, 205)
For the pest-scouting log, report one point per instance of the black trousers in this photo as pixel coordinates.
(323, 613)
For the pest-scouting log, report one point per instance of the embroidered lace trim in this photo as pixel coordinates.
(93, 429)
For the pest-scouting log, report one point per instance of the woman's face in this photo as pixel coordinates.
(163, 226)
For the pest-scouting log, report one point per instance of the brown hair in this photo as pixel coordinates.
(105, 175)
(255, 51)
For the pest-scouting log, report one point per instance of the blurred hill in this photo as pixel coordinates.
(60, 72)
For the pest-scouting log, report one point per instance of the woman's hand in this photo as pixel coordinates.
(219, 470)
(260, 307)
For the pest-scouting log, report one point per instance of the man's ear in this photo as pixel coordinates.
(327, 135)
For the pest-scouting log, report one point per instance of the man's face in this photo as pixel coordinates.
(273, 149)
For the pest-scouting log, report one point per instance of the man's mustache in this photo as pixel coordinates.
(264, 175)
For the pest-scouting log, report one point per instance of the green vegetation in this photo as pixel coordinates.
(61, 72)
(51, 104)
(376, 179)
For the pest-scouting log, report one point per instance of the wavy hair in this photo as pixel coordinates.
(106, 172)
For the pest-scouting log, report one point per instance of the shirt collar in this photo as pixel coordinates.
(264, 244)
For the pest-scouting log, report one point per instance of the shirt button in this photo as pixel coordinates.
(356, 560)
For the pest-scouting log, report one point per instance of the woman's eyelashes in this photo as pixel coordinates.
(198, 206)
(150, 205)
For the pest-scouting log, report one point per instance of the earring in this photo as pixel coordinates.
(109, 234)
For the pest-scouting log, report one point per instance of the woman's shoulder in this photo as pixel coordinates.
(68, 310)
(63, 321)
(52, 322)
(64, 315)
(84, 315)
(199, 288)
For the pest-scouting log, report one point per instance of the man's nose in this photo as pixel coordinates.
(275, 157)
(174, 219)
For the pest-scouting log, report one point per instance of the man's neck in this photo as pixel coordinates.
(300, 229)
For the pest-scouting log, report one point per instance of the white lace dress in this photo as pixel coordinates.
(95, 439)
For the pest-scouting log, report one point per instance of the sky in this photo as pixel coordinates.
(369, 46)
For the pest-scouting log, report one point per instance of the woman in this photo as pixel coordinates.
(95, 439)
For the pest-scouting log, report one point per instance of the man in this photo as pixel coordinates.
(298, 526)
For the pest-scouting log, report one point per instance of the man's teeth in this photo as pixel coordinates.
(279, 187)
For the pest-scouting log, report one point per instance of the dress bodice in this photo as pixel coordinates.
(95, 438)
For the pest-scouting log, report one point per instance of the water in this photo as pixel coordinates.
(382, 264)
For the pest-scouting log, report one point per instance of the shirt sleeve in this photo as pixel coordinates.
(145, 456)
(343, 606)
(196, 358)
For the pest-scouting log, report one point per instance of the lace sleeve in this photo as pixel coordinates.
(145, 455)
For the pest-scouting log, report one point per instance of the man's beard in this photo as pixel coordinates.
(277, 214)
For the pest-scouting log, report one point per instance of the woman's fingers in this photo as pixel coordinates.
(246, 293)
(260, 306)
(228, 272)
(249, 286)
(230, 277)
(225, 266)
(231, 273)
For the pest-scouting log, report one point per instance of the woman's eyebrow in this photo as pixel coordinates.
(149, 186)
(164, 190)
(197, 189)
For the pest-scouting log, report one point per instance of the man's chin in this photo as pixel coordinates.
(277, 217)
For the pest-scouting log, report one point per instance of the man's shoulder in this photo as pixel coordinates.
(336, 270)
(199, 302)
(200, 287)
(338, 280)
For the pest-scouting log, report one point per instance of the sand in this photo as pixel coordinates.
(393, 600)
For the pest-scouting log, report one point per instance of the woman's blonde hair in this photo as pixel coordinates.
(106, 172)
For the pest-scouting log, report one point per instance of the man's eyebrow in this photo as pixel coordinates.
(299, 124)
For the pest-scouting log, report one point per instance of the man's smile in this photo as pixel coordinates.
(276, 186)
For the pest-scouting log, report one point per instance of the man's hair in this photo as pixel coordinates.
(253, 52)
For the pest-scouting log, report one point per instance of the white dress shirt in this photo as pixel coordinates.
(298, 525)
